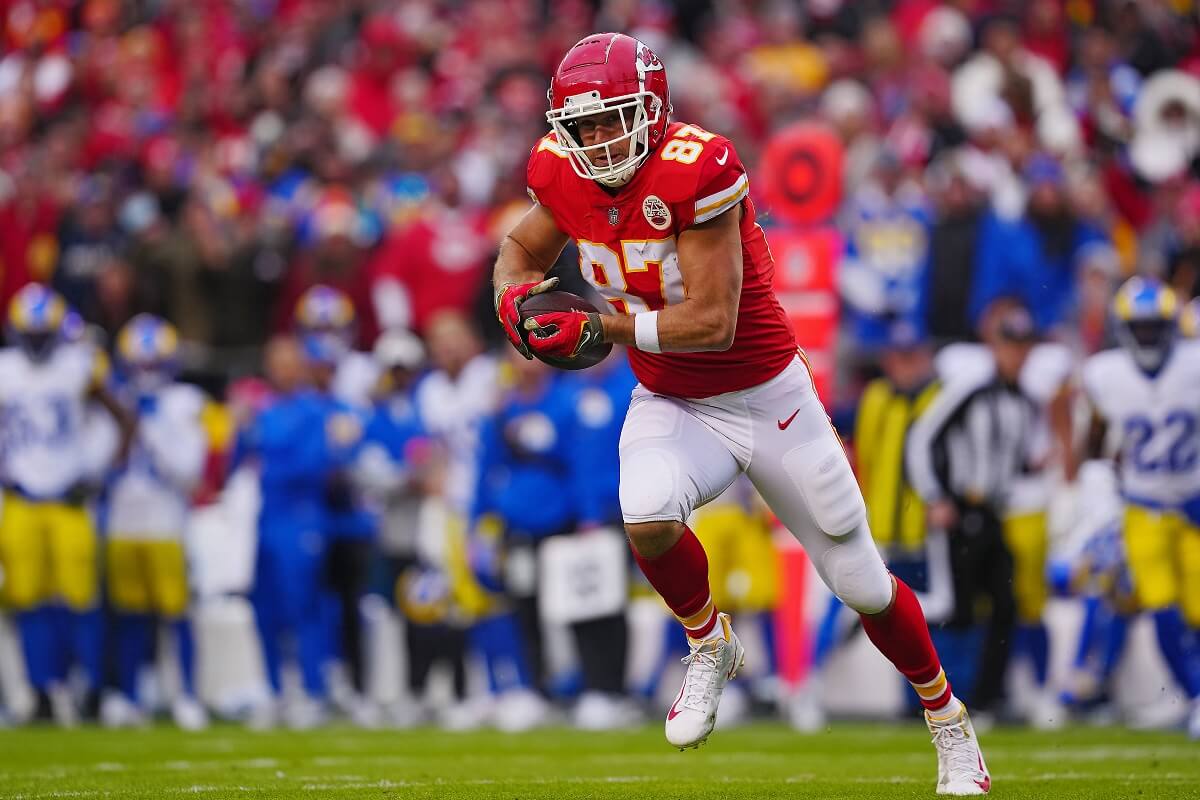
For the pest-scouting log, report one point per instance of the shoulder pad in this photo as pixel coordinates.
(546, 159)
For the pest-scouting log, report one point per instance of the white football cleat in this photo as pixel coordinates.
(518, 710)
(804, 710)
(711, 664)
(62, 706)
(961, 771)
(1194, 720)
(118, 711)
(304, 713)
(597, 711)
(189, 714)
(1047, 712)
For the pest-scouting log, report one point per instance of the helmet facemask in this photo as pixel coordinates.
(635, 124)
(38, 346)
(1148, 341)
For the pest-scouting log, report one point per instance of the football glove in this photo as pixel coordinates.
(508, 309)
(564, 334)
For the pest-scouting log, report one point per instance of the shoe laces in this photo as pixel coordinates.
(953, 742)
(702, 663)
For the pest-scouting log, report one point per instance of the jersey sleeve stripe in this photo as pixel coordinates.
(716, 204)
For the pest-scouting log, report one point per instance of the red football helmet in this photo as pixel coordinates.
(606, 72)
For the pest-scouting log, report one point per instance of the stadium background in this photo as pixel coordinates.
(209, 162)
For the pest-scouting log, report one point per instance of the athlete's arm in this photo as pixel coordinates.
(710, 262)
(1097, 433)
(526, 255)
(126, 422)
(1062, 429)
(529, 250)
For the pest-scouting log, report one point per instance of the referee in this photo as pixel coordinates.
(964, 454)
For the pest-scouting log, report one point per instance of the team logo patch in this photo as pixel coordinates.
(657, 213)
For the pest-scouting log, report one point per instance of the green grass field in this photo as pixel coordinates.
(849, 761)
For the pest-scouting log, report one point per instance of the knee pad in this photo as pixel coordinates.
(855, 573)
(650, 489)
(820, 471)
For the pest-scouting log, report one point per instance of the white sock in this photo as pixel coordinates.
(946, 713)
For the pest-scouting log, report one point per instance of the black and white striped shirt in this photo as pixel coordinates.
(972, 442)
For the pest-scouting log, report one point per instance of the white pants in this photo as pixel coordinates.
(677, 455)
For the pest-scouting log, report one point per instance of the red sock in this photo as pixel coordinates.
(680, 575)
(902, 635)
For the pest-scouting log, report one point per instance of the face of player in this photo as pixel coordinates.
(38, 347)
(1010, 357)
(1148, 341)
(907, 369)
(600, 128)
(285, 365)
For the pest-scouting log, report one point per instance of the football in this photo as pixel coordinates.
(564, 301)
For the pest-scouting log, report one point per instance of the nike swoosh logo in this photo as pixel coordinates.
(986, 783)
(723, 157)
(672, 714)
(783, 426)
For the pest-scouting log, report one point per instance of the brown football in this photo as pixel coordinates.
(564, 301)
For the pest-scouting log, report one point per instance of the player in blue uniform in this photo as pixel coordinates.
(298, 444)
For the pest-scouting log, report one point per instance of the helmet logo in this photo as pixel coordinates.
(646, 61)
(656, 212)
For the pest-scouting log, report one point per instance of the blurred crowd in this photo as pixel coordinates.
(267, 227)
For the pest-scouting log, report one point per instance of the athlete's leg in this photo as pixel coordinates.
(671, 463)
(1151, 549)
(1026, 538)
(265, 599)
(803, 474)
(24, 557)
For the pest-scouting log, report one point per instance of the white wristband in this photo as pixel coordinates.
(645, 331)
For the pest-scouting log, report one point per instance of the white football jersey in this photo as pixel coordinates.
(1154, 422)
(43, 408)
(150, 498)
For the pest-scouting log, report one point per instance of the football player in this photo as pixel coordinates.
(328, 314)
(48, 545)
(346, 379)
(667, 234)
(1144, 400)
(148, 505)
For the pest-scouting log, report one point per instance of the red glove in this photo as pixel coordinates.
(508, 309)
(563, 334)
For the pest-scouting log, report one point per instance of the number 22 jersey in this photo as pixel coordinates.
(627, 251)
(1158, 422)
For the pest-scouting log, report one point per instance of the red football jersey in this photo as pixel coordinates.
(627, 250)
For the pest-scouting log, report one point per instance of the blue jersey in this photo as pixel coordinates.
(299, 441)
(345, 428)
(525, 456)
(602, 401)
(395, 425)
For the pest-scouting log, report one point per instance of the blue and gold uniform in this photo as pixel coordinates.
(1147, 393)
(48, 545)
(149, 499)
